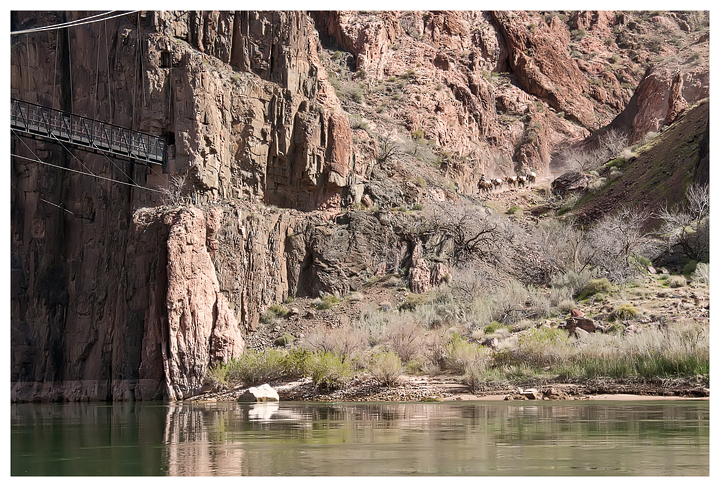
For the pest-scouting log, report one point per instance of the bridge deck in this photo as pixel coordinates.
(55, 125)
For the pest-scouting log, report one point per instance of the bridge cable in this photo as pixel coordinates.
(73, 23)
(67, 32)
(97, 74)
(38, 160)
(81, 163)
(62, 25)
(85, 173)
(107, 78)
(60, 142)
(57, 44)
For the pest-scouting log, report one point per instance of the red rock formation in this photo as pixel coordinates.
(114, 297)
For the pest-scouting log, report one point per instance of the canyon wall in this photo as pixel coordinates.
(129, 282)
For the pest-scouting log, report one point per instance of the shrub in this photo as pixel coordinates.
(595, 286)
(273, 313)
(327, 301)
(676, 281)
(701, 273)
(404, 336)
(463, 355)
(689, 267)
(492, 327)
(624, 311)
(615, 242)
(420, 181)
(346, 341)
(574, 281)
(285, 339)
(386, 367)
(542, 346)
(512, 210)
(255, 367)
(216, 377)
(328, 370)
(418, 134)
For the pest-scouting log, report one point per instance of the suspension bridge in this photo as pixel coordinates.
(41, 122)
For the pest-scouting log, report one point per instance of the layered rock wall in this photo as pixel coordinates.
(110, 301)
(115, 296)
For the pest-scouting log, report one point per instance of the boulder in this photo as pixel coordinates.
(532, 393)
(585, 324)
(554, 394)
(570, 181)
(263, 393)
(490, 343)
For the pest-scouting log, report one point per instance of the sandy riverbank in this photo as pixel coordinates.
(449, 388)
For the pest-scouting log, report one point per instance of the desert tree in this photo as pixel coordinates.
(687, 226)
(387, 149)
(461, 234)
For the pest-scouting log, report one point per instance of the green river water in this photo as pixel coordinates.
(572, 438)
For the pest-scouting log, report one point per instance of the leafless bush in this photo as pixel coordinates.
(609, 145)
(387, 149)
(468, 281)
(173, 194)
(617, 240)
(345, 341)
(560, 243)
(405, 337)
(687, 226)
(463, 234)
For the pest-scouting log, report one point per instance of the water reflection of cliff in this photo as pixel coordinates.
(402, 439)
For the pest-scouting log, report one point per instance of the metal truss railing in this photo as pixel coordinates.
(85, 132)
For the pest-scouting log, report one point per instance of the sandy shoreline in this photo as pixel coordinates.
(448, 388)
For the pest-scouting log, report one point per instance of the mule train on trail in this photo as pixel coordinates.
(488, 185)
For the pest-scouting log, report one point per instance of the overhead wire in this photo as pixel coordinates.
(86, 20)
(85, 174)
(62, 25)
(81, 163)
(74, 23)
(38, 160)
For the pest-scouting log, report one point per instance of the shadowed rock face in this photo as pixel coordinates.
(110, 301)
(114, 296)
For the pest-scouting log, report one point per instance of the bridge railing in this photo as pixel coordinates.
(55, 124)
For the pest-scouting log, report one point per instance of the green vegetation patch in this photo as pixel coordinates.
(624, 311)
(328, 301)
(595, 286)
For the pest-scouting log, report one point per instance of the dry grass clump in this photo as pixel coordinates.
(386, 367)
(595, 286)
(345, 341)
(273, 313)
(701, 274)
(624, 311)
(652, 353)
(566, 305)
(676, 281)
